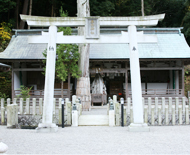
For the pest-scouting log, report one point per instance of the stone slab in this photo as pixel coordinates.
(138, 127)
(94, 120)
(46, 128)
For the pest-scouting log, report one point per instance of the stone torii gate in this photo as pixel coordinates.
(92, 35)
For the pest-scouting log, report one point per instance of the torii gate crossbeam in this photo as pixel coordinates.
(92, 25)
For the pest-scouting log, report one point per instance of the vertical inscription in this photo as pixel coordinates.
(92, 28)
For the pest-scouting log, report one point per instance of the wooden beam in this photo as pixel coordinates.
(28, 69)
(123, 70)
(80, 21)
(161, 68)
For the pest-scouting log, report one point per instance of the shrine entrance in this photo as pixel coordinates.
(92, 36)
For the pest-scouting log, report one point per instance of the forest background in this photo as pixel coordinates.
(177, 15)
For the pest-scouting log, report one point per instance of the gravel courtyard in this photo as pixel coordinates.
(98, 140)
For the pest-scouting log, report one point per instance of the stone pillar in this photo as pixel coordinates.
(111, 118)
(47, 118)
(75, 119)
(138, 124)
(83, 83)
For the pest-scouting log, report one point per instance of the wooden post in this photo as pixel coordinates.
(173, 115)
(12, 81)
(183, 87)
(156, 105)
(159, 116)
(34, 106)
(131, 114)
(180, 115)
(166, 115)
(128, 105)
(69, 81)
(2, 111)
(21, 106)
(126, 81)
(152, 115)
(187, 114)
(145, 115)
(149, 105)
(40, 106)
(60, 111)
(163, 105)
(27, 106)
(176, 104)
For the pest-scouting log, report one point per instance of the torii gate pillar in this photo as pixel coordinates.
(47, 125)
(138, 124)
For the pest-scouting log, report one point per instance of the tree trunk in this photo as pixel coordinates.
(142, 7)
(61, 89)
(30, 11)
(69, 81)
(83, 83)
(24, 11)
(17, 13)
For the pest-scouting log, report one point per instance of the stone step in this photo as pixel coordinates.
(94, 120)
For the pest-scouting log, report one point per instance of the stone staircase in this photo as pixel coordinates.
(94, 120)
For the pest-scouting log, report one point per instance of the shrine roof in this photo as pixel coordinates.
(171, 44)
(168, 46)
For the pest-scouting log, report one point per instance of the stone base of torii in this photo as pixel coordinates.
(92, 35)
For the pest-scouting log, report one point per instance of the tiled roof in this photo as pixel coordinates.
(169, 45)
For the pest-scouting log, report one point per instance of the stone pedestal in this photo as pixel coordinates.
(43, 127)
(138, 127)
(75, 119)
(111, 118)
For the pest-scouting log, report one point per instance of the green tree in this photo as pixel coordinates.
(5, 35)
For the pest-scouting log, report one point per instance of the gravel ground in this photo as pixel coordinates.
(98, 140)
